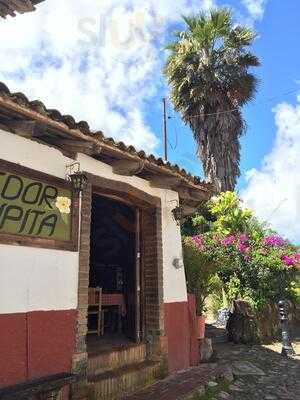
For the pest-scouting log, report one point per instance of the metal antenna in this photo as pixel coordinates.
(165, 128)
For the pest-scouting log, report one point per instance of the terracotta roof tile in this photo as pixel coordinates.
(142, 154)
(83, 126)
(8, 7)
(70, 121)
(100, 134)
(38, 106)
(4, 89)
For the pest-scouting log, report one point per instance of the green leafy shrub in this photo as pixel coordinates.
(259, 271)
(217, 298)
(251, 262)
(229, 216)
(199, 269)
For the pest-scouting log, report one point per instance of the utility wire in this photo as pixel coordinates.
(176, 136)
(238, 109)
(174, 117)
(276, 209)
(170, 144)
(215, 113)
(175, 133)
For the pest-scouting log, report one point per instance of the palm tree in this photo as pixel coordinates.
(208, 74)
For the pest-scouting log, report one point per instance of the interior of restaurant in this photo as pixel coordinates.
(112, 281)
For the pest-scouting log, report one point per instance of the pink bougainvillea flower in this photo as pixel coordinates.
(243, 248)
(297, 261)
(287, 260)
(228, 240)
(296, 257)
(244, 238)
(274, 241)
(198, 240)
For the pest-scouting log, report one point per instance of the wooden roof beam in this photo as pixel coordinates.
(77, 146)
(127, 167)
(56, 128)
(22, 127)
(27, 128)
(187, 194)
(5, 10)
(164, 181)
(21, 6)
(198, 195)
(183, 193)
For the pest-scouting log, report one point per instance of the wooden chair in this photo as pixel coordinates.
(95, 308)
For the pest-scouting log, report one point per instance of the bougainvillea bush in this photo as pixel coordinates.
(200, 268)
(252, 263)
(257, 270)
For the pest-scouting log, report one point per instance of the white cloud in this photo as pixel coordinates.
(99, 60)
(273, 192)
(255, 8)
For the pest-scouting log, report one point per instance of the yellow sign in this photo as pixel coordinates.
(33, 208)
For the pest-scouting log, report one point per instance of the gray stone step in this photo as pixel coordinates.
(114, 384)
(114, 359)
(219, 339)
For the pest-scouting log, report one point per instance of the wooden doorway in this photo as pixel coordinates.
(115, 268)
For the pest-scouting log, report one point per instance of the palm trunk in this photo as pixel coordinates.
(218, 147)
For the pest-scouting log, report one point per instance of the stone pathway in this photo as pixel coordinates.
(252, 372)
(188, 384)
(260, 372)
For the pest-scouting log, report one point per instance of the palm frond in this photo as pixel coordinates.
(248, 60)
(240, 37)
(208, 75)
(221, 20)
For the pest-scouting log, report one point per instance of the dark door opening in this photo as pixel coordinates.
(114, 268)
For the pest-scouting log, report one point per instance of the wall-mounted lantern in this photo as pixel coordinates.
(177, 263)
(78, 178)
(177, 212)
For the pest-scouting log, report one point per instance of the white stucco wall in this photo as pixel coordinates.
(37, 279)
(34, 279)
(42, 279)
(33, 155)
(174, 279)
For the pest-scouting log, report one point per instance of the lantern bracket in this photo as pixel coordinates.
(77, 178)
(177, 212)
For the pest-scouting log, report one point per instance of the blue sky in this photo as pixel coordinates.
(101, 61)
(278, 38)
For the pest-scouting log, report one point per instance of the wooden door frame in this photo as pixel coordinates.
(148, 205)
(138, 292)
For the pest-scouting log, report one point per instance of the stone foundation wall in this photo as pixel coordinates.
(268, 321)
(247, 326)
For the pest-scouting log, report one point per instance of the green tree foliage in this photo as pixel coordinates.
(200, 270)
(229, 216)
(209, 71)
(252, 262)
(224, 214)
